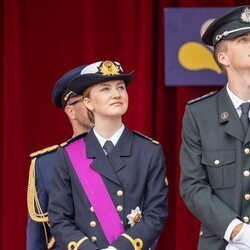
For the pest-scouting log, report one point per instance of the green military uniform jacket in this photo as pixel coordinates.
(215, 166)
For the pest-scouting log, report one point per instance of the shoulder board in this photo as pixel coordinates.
(54, 147)
(76, 137)
(44, 151)
(146, 137)
(202, 97)
(64, 144)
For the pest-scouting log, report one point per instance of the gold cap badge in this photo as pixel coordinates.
(109, 68)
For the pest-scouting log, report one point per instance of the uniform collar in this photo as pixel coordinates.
(114, 138)
(235, 100)
(229, 117)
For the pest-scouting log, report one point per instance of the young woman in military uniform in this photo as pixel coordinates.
(109, 189)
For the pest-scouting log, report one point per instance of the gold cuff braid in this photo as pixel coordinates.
(75, 245)
(137, 243)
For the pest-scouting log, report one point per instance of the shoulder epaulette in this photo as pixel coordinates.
(146, 137)
(64, 144)
(44, 151)
(34, 207)
(76, 137)
(202, 97)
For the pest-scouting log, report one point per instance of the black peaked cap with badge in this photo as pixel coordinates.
(99, 72)
(61, 93)
(234, 23)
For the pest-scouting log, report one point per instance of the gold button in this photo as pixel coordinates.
(216, 162)
(246, 219)
(201, 233)
(247, 151)
(92, 209)
(246, 173)
(92, 223)
(93, 238)
(119, 193)
(247, 197)
(119, 208)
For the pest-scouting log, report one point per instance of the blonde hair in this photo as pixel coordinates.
(86, 94)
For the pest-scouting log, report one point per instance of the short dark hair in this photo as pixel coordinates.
(220, 47)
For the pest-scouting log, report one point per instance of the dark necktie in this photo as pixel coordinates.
(244, 116)
(108, 146)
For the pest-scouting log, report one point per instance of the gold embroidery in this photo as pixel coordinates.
(43, 151)
(34, 207)
(137, 243)
(109, 68)
(75, 245)
(64, 144)
(51, 243)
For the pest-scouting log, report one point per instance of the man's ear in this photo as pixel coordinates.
(70, 111)
(223, 58)
(88, 104)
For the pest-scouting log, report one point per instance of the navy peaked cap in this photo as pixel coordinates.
(234, 23)
(60, 92)
(98, 72)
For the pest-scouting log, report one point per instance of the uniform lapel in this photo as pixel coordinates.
(247, 139)
(122, 149)
(229, 116)
(100, 163)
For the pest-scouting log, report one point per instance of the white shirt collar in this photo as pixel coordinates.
(235, 100)
(114, 138)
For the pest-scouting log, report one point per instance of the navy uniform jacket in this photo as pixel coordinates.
(43, 170)
(215, 167)
(138, 170)
(41, 174)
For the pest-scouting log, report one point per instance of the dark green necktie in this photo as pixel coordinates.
(244, 115)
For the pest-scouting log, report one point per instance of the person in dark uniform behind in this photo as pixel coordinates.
(109, 189)
(215, 150)
(38, 228)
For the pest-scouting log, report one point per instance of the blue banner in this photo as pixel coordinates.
(187, 60)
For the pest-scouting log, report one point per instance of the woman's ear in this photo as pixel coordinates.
(70, 111)
(88, 104)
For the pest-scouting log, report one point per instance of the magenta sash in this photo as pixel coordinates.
(96, 191)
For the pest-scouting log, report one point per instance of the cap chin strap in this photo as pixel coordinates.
(226, 33)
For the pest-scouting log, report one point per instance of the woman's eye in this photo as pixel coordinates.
(105, 89)
(121, 87)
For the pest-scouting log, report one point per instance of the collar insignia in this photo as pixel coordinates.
(224, 115)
